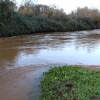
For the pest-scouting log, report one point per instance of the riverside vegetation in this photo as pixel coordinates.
(31, 18)
(70, 83)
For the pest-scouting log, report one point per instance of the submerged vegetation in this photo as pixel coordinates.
(30, 18)
(70, 83)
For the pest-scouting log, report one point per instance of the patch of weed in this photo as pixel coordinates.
(70, 83)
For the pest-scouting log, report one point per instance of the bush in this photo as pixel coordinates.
(13, 24)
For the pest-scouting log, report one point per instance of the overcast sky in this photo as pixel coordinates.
(69, 5)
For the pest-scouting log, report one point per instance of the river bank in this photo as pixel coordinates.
(17, 23)
(24, 83)
(71, 82)
(22, 25)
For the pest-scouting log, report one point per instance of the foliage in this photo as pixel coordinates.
(7, 6)
(21, 25)
(41, 24)
(81, 19)
(32, 18)
(70, 83)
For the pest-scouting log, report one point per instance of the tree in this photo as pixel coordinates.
(7, 6)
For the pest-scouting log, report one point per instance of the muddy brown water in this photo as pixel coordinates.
(23, 59)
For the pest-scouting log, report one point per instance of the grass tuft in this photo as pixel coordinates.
(70, 83)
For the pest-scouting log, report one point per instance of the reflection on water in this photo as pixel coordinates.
(68, 47)
(23, 59)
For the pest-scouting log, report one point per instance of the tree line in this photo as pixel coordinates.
(31, 18)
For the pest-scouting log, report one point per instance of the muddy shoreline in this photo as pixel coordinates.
(23, 83)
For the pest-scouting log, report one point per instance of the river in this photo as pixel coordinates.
(23, 59)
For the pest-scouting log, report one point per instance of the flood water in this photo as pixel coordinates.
(23, 59)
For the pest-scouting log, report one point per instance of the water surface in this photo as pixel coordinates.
(24, 58)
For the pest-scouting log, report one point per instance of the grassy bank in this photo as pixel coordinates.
(70, 83)
(31, 19)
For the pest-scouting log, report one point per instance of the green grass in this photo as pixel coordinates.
(70, 83)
